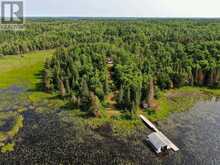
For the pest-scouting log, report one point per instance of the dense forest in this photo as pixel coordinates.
(131, 59)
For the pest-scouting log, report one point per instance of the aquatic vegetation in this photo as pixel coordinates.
(11, 124)
(16, 127)
(13, 129)
(9, 147)
(47, 139)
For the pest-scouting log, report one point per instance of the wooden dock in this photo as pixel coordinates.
(162, 136)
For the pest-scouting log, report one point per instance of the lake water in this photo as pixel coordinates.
(196, 133)
(46, 139)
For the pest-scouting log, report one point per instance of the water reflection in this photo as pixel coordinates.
(197, 134)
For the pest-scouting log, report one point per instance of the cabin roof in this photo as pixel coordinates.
(156, 141)
(144, 105)
(109, 60)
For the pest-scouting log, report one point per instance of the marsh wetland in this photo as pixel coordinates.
(53, 137)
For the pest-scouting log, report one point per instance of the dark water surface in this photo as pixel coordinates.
(197, 134)
(52, 138)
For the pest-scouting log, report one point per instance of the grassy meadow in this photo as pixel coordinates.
(22, 70)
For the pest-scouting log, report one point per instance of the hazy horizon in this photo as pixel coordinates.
(124, 8)
(129, 17)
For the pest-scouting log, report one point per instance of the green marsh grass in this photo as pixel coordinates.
(22, 70)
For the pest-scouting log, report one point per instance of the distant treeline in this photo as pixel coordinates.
(48, 33)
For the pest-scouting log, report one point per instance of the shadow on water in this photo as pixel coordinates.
(13, 90)
(8, 123)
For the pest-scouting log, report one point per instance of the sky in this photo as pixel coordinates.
(123, 8)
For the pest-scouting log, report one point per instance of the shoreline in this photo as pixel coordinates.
(170, 101)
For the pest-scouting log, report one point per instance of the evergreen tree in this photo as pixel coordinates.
(106, 86)
(94, 109)
(67, 86)
(62, 88)
(85, 98)
(47, 80)
(121, 96)
(84, 88)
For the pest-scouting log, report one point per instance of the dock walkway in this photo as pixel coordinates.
(162, 136)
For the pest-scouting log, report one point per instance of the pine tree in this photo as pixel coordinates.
(84, 88)
(94, 109)
(121, 96)
(151, 93)
(62, 88)
(73, 84)
(137, 96)
(106, 86)
(128, 98)
(133, 110)
(67, 85)
(47, 81)
(84, 96)
(74, 101)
